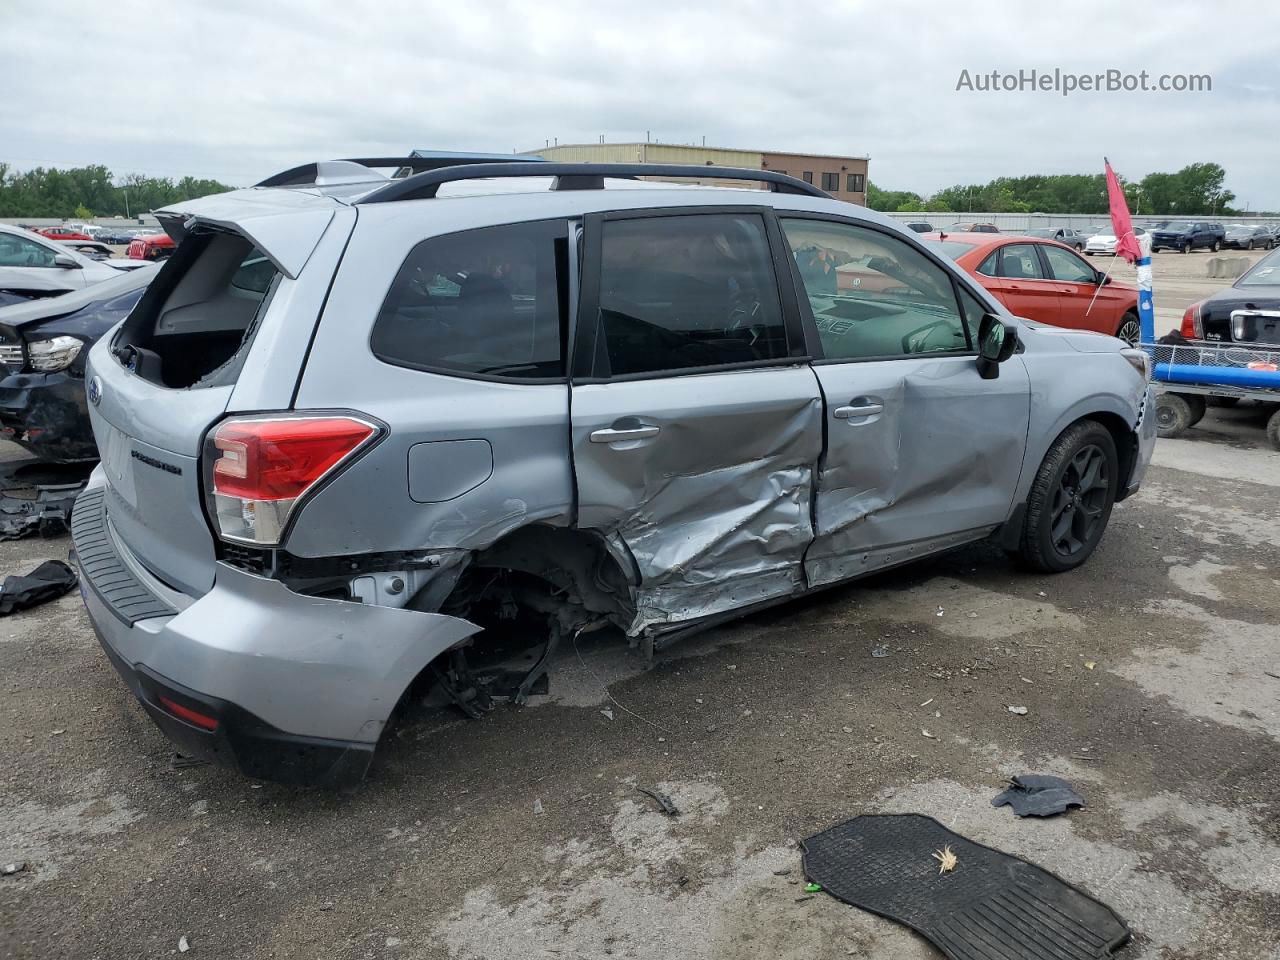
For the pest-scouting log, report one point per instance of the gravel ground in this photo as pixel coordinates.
(1151, 679)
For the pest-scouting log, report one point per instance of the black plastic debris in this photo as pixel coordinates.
(664, 802)
(47, 513)
(1033, 795)
(49, 581)
(986, 905)
(36, 497)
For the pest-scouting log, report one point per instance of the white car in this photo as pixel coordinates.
(33, 266)
(1106, 242)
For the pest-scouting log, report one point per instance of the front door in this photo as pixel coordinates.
(696, 422)
(29, 268)
(1019, 282)
(921, 452)
(1087, 303)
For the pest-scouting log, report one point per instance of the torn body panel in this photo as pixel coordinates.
(714, 504)
(922, 453)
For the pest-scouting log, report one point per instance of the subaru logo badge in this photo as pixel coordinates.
(95, 391)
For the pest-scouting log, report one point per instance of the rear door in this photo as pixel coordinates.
(209, 328)
(696, 424)
(1022, 284)
(921, 452)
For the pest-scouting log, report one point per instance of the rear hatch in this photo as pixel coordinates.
(171, 371)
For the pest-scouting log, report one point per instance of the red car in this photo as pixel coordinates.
(151, 246)
(62, 234)
(1045, 281)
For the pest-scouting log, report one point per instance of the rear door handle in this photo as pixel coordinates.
(851, 413)
(610, 435)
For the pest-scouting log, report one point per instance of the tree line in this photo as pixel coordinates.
(84, 192)
(1195, 190)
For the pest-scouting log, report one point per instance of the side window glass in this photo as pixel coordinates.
(873, 295)
(974, 310)
(21, 252)
(1018, 261)
(483, 302)
(688, 291)
(1067, 267)
(990, 266)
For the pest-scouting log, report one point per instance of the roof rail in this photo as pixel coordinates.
(578, 176)
(306, 174)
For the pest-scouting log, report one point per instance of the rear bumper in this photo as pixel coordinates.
(46, 414)
(298, 689)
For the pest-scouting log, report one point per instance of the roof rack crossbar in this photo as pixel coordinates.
(578, 176)
(306, 174)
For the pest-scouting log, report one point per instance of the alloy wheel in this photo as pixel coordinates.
(1080, 501)
(1130, 332)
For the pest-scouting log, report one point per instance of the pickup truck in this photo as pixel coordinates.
(1187, 235)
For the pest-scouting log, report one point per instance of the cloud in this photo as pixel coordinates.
(239, 89)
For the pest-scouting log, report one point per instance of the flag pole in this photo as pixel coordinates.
(1106, 277)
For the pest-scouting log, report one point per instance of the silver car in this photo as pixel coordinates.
(364, 436)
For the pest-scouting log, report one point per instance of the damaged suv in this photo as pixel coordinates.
(358, 426)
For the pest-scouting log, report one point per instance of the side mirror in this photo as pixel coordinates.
(996, 342)
(1103, 279)
(65, 262)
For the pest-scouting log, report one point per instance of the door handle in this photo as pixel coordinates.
(851, 413)
(610, 435)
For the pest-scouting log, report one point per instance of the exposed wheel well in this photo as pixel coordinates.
(528, 590)
(1126, 440)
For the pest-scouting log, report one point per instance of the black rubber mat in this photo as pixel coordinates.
(991, 906)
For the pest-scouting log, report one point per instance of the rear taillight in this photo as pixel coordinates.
(1192, 328)
(262, 468)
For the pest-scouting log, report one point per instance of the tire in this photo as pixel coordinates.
(1215, 247)
(1186, 246)
(1088, 253)
(1177, 413)
(1130, 329)
(1273, 429)
(1071, 499)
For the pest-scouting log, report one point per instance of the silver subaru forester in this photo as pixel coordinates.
(359, 425)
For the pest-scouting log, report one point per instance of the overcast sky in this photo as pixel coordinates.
(238, 89)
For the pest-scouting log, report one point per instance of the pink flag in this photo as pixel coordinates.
(1121, 225)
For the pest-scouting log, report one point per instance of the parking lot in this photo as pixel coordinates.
(1150, 678)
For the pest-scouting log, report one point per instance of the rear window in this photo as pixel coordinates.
(192, 324)
(484, 303)
(952, 248)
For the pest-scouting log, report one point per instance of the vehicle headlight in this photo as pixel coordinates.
(1140, 360)
(53, 354)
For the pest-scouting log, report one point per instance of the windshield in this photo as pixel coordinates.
(1265, 273)
(952, 248)
(1178, 226)
(1042, 232)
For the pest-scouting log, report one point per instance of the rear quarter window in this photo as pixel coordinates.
(481, 303)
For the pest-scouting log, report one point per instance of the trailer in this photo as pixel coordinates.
(1188, 375)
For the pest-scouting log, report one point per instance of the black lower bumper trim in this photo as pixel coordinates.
(242, 741)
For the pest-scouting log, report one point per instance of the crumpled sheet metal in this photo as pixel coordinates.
(922, 483)
(710, 532)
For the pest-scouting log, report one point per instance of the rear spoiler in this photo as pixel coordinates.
(286, 235)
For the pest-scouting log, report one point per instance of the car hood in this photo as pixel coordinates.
(37, 311)
(1082, 341)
